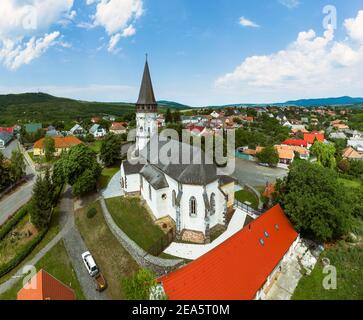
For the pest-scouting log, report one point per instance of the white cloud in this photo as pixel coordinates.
(354, 27)
(311, 64)
(117, 18)
(247, 23)
(290, 3)
(23, 28)
(14, 55)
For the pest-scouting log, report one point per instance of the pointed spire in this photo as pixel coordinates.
(146, 96)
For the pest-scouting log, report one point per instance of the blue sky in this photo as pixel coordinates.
(200, 52)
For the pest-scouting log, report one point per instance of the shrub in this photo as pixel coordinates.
(13, 221)
(91, 213)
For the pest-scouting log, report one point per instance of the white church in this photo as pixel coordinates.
(192, 195)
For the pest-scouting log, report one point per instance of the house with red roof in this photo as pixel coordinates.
(9, 130)
(295, 142)
(312, 136)
(241, 268)
(44, 286)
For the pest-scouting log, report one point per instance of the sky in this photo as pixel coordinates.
(204, 52)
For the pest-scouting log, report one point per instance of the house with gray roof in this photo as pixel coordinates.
(5, 138)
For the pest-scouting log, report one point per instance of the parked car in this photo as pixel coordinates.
(263, 164)
(100, 282)
(90, 263)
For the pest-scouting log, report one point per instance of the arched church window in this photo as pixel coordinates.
(173, 196)
(141, 129)
(193, 207)
(150, 193)
(212, 204)
(122, 183)
(141, 182)
(163, 196)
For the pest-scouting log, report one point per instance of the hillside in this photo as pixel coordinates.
(172, 105)
(325, 101)
(41, 107)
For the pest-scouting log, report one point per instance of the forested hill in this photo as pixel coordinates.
(42, 107)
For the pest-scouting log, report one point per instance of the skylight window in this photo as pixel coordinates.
(266, 234)
(277, 227)
(262, 242)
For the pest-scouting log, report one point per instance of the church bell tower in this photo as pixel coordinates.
(146, 111)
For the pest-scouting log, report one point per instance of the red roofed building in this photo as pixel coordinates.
(60, 144)
(197, 130)
(242, 267)
(295, 142)
(310, 137)
(9, 130)
(43, 286)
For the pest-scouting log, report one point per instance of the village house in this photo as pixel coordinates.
(44, 286)
(241, 268)
(77, 130)
(5, 138)
(356, 142)
(61, 144)
(352, 154)
(97, 131)
(340, 126)
(95, 119)
(51, 131)
(118, 128)
(32, 127)
(311, 137)
(9, 130)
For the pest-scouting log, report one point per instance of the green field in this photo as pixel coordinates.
(56, 263)
(246, 195)
(135, 221)
(114, 261)
(106, 176)
(348, 260)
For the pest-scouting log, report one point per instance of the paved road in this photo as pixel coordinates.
(251, 173)
(15, 200)
(75, 246)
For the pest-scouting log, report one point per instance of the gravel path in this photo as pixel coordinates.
(75, 246)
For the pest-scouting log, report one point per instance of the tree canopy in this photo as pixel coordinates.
(325, 154)
(268, 155)
(110, 151)
(315, 201)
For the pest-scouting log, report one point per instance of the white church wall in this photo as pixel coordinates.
(131, 182)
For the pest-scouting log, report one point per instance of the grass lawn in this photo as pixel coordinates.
(245, 195)
(216, 231)
(106, 176)
(348, 261)
(114, 261)
(95, 146)
(56, 263)
(19, 237)
(135, 221)
(349, 183)
(52, 232)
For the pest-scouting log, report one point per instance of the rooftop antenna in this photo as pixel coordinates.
(146, 56)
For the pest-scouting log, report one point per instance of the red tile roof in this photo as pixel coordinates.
(46, 288)
(295, 142)
(7, 130)
(310, 137)
(60, 142)
(237, 268)
(196, 128)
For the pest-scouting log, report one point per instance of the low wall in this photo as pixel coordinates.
(158, 265)
(258, 195)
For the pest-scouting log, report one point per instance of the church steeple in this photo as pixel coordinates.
(146, 101)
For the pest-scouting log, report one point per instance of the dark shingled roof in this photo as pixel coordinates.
(203, 173)
(223, 180)
(154, 176)
(146, 96)
(132, 168)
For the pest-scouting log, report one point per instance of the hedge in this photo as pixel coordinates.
(12, 222)
(4, 269)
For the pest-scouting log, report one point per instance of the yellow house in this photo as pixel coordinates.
(61, 144)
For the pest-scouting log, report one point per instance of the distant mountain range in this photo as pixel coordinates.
(340, 101)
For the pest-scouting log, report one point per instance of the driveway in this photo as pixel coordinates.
(75, 246)
(13, 145)
(249, 172)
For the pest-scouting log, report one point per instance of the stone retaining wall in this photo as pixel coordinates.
(158, 265)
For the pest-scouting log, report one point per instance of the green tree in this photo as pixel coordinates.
(176, 116)
(79, 168)
(168, 116)
(315, 201)
(17, 166)
(268, 155)
(5, 178)
(325, 154)
(110, 151)
(139, 285)
(42, 201)
(49, 148)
